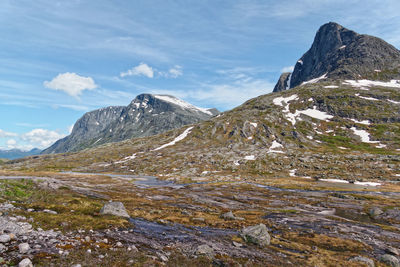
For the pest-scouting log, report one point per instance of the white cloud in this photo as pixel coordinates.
(41, 138)
(71, 83)
(4, 134)
(287, 69)
(11, 143)
(140, 70)
(173, 72)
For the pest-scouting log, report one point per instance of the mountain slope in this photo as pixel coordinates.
(146, 115)
(332, 128)
(341, 53)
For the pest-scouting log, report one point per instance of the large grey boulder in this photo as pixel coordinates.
(114, 208)
(257, 234)
(390, 260)
(205, 250)
(25, 263)
(364, 260)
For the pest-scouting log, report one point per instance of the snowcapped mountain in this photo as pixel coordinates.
(146, 115)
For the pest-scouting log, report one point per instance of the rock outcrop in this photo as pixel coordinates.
(339, 53)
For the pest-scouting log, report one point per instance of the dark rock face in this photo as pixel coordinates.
(340, 53)
(283, 82)
(146, 115)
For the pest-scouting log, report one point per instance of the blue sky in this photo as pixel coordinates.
(60, 59)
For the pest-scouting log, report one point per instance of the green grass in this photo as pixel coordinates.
(16, 190)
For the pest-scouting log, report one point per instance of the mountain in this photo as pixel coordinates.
(17, 153)
(338, 52)
(334, 128)
(146, 115)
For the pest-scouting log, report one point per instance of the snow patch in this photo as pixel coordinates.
(177, 139)
(368, 83)
(367, 98)
(331, 86)
(278, 100)
(365, 122)
(273, 147)
(251, 157)
(343, 46)
(364, 135)
(182, 104)
(315, 79)
(292, 173)
(368, 183)
(254, 124)
(300, 61)
(394, 102)
(288, 81)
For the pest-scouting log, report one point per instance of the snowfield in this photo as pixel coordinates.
(177, 139)
(181, 103)
(368, 83)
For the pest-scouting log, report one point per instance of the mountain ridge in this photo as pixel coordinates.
(338, 52)
(146, 115)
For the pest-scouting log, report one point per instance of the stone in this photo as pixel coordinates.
(23, 248)
(198, 219)
(390, 260)
(368, 262)
(50, 211)
(119, 245)
(76, 265)
(114, 208)
(374, 212)
(256, 234)
(87, 238)
(230, 216)
(2, 248)
(25, 263)
(5, 238)
(205, 250)
(393, 251)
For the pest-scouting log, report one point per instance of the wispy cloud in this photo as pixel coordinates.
(140, 70)
(4, 134)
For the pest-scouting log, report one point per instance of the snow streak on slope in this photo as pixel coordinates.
(177, 139)
(181, 103)
(367, 83)
(315, 80)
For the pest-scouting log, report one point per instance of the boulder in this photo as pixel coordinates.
(366, 261)
(256, 234)
(25, 263)
(114, 208)
(205, 250)
(23, 248)
(5, 238)
(230, 216)
(390, 260)
(374, 212)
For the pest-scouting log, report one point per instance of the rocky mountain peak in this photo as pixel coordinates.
(340, 53)
(146, 115)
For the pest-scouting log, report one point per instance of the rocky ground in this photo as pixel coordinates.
(57, 220)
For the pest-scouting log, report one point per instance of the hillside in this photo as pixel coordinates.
(146, 115)
(17, 153)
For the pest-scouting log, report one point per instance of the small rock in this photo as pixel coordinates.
(25, 263)
(30, 210)
(5, 238)
(257, 234)
(87, 238)
(23, 248)
(133, 248)
(76, 265)
(198, 219)
(237, 244)
(375, 211)
(2, 248)
(205, 250)
(105, 241)
(114, 208)
(368, 262)
(50, 211)
(119, 245)
(390, 260)
(229, 216)
(89, 251)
